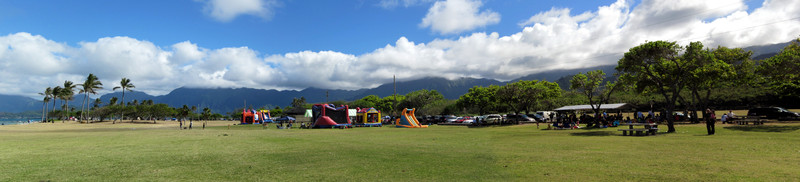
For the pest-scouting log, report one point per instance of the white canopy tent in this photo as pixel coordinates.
(616, 106)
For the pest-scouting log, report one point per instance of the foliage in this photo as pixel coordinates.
(590, 85)
(420, 98)
(656, 66)
(484, 99)
(782, 71)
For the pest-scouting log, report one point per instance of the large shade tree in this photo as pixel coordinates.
(656, 66)
(591, 85)
(782, 71)
(483, 99)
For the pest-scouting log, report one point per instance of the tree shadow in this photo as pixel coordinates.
(764, 128)
(593, 133)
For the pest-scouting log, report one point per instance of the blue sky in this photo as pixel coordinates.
(351, 44)
(293, 25)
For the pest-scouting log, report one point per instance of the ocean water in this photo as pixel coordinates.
(18, 121)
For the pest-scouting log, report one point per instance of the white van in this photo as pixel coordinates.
(546, 115)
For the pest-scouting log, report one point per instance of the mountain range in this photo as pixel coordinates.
(222, 100)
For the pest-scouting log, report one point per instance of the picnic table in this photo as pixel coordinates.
(756, 120)
(648, 129)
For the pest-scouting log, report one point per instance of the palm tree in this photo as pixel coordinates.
(112, 101)
(206, 113)
(68, 93)
(194, 108)
(47, 92)
(97, 102)
(125, 84)
(90, 86)
(55, 95)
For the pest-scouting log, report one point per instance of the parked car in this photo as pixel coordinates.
(773, 113)
(492, 118)
(516, 118)
(538, 118)
(465, 120)
(679, 116)
(451, 119)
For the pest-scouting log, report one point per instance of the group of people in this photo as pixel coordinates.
(711, 118)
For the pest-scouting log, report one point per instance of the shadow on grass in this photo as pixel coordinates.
(764, 128)
(594, 133)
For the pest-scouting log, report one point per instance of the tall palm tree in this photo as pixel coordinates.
(69, 94)
(90, 86)
(125, 84)
(55, 95)
(47, 92)
(194, 108)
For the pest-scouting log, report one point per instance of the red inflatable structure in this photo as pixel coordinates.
(329, 116)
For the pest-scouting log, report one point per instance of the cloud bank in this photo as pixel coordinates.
(555, 39)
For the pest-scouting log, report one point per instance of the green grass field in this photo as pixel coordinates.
(137, 152)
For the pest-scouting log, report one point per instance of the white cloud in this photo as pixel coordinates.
(555, 39)
(455, 16)
(227, 10)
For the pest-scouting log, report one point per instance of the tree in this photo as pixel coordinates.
(535, 92)
(590, 85)
(124, 84)
(418, 99)
(206, 113)
(97, 102)
(710, 70)
(524, 95)
(68, 93)
(366, 102)
(56, 94)
(482, 98)
(782, 72)
(112, 101)
(656, 66)
(90, 86)
(47, 94)
(298, 103)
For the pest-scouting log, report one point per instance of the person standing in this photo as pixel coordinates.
(710, 119)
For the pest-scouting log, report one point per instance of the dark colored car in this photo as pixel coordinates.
(537, 117)
(512, 118)
(773, 113)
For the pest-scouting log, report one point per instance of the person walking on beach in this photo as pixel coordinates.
(710, 119)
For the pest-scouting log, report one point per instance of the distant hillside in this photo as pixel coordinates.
(554, 75)
(13, 103)
(766, 51)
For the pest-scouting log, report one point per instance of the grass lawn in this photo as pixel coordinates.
(161, 152)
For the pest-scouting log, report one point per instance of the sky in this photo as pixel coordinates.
(351, 44)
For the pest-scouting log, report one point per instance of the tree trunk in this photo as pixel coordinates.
(122, 112)
(44, 110)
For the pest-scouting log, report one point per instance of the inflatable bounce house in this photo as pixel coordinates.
(368, 117)
(255, 117)
(408, 120)
(329, 116)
